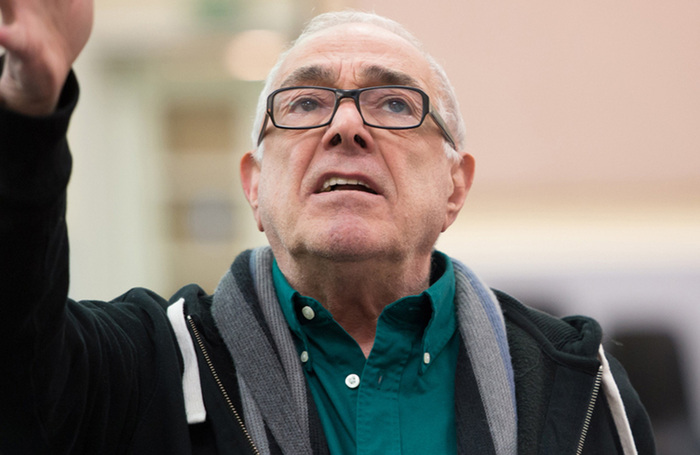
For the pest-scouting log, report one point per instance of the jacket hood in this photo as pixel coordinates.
(572, 340)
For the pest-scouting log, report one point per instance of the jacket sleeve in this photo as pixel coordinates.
(77, 377)
(34, 170)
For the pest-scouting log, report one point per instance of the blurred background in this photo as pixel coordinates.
(583, 118)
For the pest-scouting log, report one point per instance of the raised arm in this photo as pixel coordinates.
(42, 39)
(34, 169)
(78, 377)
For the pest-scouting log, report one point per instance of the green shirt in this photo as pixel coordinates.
(399, 400)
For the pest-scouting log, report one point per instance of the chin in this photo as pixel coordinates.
(353, 246)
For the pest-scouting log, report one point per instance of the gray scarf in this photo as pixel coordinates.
(272, 384)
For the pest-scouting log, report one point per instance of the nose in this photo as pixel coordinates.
(347, 127)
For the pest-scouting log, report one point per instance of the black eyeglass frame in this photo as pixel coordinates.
(355, 95)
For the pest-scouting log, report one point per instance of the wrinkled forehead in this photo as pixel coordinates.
(355, 55)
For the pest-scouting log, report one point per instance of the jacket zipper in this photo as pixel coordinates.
(589, 411)
(221, 385)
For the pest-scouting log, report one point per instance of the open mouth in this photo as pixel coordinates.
(342, 184)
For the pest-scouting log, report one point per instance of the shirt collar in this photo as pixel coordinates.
(440, 295)
(286, 295)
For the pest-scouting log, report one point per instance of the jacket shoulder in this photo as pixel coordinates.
(542, 347)
(555, 363)
(573, 340)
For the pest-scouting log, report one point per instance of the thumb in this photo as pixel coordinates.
(10, 38)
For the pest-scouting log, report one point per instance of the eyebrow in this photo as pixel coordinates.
(379, 75)
(309, 75)
(370, 76)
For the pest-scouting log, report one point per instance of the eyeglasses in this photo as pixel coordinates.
(391, 107)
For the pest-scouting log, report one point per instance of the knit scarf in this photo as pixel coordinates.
(276, 401)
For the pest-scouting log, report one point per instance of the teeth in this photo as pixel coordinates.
(341, 181)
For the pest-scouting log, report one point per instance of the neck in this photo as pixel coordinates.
(356, 292)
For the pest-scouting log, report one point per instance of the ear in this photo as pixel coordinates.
(462, 178)
(250, 178)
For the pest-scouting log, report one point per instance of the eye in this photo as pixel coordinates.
(397, 106)
(302, 105)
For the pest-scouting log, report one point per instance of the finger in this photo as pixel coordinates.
(10, 38)
(4, 36)
(7, 11)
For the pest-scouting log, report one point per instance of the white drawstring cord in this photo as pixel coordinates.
(191, 387)
(617, 407)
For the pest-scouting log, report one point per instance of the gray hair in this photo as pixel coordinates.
(446, 104)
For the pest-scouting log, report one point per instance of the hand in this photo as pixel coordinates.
(42, 39)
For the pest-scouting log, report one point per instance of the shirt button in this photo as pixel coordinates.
(352, 381)
(426, 358)
(304, 357)
(308, 312)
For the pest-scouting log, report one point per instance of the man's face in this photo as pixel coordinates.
(392, 191)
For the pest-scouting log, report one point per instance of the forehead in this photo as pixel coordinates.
(355, 55)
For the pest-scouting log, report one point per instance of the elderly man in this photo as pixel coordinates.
(349, 334)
